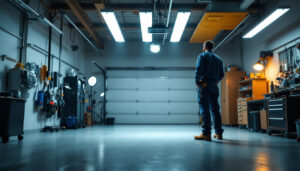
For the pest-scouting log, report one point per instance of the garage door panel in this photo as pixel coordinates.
(153, 108)
(183, 108)
(153, 95)
(152, 84)
(182, 83)
(155, 119)
(118, 95)
(114, 83)
(183, 95)
(143, 74)
(121, 107)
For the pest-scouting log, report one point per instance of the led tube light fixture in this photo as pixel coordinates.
(180, 23)
(267, 21)
(113, 26)
(146, 22)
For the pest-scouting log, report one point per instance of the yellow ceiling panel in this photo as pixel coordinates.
(214, 22)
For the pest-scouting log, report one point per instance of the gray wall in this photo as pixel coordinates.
(37, 34)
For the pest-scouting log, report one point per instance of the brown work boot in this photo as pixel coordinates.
(218, 136)
(203, 137)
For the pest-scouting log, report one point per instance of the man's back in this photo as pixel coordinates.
(209, 67)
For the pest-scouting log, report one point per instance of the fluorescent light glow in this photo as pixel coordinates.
(154, 47)
(180, 23)
(146, 22)
(92, 81)
(270, 19)
(113, 25)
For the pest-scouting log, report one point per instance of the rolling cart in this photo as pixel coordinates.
(11, 118)
(283, 112)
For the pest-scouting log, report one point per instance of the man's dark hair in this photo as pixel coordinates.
(209, 45)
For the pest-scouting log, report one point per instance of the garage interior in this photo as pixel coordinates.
(110, 84)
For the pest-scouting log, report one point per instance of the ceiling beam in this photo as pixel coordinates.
(96, 27)
(99, 5)
(84, 19)
(90, 7)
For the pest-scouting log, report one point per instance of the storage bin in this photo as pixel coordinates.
(11, 117)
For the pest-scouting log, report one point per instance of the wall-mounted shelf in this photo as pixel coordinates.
(255, 88)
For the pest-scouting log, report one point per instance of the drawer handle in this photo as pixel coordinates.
(280, 119)
(276, 100)
(275, 105)
(277, 109)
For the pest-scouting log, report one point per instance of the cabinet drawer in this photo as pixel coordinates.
(242, 104)
(277, 123)
(276, 102)
(276, 112)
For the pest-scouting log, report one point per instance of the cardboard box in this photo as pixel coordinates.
(88, 119)
(263, 120)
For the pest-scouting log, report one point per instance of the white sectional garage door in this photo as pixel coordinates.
(166, 96)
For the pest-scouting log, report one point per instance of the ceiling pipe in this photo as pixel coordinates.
(168, 19)
(246, 4)
(82, 34)
(169, 13)
(231, 33)
(20, 4)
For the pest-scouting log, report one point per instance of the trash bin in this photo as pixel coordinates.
(11, 117)
(110, 121)
(255, 121)
(298, 130)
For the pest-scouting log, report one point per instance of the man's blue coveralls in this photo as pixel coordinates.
(210, 71)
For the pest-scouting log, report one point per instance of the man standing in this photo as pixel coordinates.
(209, 72)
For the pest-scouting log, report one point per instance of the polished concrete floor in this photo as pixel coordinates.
(149, 148)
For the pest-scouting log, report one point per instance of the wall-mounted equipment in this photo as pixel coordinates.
(155, 47)
(266, 22)
(146, 22)
(21, 79)
(180, 23)
(112, 24)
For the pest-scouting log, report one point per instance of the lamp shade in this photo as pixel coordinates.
(258, 66)
(92, 81)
